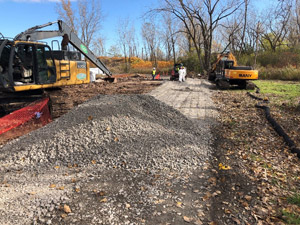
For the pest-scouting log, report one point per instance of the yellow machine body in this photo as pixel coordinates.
(241, 74)
(226, 72)
(27, 65)
(67, 73)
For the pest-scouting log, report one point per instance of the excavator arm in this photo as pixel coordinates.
(228, 56)
(35, 34)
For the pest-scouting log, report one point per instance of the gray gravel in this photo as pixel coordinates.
(125, 159)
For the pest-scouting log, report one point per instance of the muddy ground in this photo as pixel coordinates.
(66, 98)
(262, 178)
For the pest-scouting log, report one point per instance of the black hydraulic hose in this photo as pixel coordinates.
(277, 127)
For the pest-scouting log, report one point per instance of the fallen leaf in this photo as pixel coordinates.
(101, 193)
(201, 214)
(90, 118)
(223, 167)
(61, 188)
(67, 209)
(107, 128)
(52, 186)
(245, 204)
(248, 198)
(236, 220)
(227, 211)
(56, 167)
(187, 219)
(213, 181)
(207, 196)
(73, 180)
(159, 201)
(179, 204)
(127, 206)
(103, 200)
(198, 222)
(64, 215)
(77, 189)
(93, 161)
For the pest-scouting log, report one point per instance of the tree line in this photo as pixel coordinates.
(192, 29)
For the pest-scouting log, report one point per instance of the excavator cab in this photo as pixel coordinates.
(25, 63)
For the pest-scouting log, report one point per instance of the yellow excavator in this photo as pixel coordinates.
(27, 64)
(225, 72)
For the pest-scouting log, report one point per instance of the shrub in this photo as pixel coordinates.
(191, 61)
(289, 73)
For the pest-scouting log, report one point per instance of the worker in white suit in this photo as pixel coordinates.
(182, 74)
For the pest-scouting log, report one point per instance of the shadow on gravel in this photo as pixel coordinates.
(187, 89)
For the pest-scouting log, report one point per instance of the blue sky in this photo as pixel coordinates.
(19, 15)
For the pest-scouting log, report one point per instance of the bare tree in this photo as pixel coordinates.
(67, 13)
(98, 46)
(230, 32)
(294, 24)
(149, 34)
(90, 18)
(170, 34)
(126, 40)
(123, 39)
(242, 43)
(85, 21)
(276, 26)
(204, 16)
(114, 51)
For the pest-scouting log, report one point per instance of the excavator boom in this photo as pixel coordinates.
(35, 34)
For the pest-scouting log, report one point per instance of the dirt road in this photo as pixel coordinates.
(116, 159)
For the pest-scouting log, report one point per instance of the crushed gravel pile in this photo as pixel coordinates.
(114, 130)
(123, 132)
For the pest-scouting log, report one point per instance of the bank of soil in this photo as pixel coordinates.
(260, 173)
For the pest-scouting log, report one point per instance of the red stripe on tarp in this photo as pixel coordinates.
(25, 114)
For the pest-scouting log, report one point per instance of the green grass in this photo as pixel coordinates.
(291, 218)
(286, 91)
(295, 199)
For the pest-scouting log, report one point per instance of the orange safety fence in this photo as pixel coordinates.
(37, 110)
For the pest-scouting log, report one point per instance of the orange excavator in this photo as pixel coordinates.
(225, 72)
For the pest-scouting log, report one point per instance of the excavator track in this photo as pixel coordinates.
(222, 84)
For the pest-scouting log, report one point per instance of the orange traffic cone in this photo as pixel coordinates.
(157, 77)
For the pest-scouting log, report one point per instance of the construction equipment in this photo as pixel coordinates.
(226, 72)
(26, 63)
